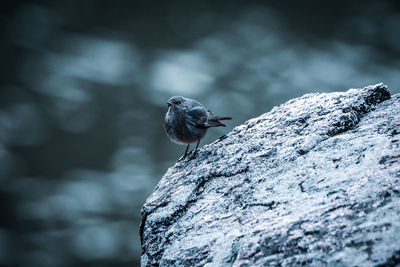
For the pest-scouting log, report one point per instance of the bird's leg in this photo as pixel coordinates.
(184, 156)
(198, 142)
(195, 150)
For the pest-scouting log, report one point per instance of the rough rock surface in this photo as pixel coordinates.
(316, 181)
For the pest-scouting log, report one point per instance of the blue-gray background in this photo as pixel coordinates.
(83, 94)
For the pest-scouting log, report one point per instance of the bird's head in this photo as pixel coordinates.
(176, 101)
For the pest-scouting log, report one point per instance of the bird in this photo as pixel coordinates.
(187, 121)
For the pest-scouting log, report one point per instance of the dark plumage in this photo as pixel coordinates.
(187, 121)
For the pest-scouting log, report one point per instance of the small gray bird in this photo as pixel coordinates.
(187, 121)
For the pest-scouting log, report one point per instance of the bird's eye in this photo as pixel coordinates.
(178, 102)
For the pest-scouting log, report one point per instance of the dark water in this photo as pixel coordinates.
(83, 94)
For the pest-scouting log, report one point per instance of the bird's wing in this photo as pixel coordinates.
(197, 116)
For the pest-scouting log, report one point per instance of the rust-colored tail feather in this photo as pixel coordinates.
(215, 121)
(223, 118)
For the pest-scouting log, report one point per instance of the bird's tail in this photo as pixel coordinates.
(223, 118)
(215, 121)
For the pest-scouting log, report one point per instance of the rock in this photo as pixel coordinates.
(315, 181)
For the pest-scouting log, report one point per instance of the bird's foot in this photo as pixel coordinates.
(193, 156)
(182, 158)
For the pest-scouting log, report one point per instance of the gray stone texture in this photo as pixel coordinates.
(315, 181)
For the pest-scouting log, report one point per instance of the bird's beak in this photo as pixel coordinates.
(169, 103)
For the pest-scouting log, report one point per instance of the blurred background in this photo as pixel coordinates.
(84, 86)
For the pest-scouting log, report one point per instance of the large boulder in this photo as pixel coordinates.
(315, 181)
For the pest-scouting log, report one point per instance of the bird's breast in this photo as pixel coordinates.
(180, 131)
